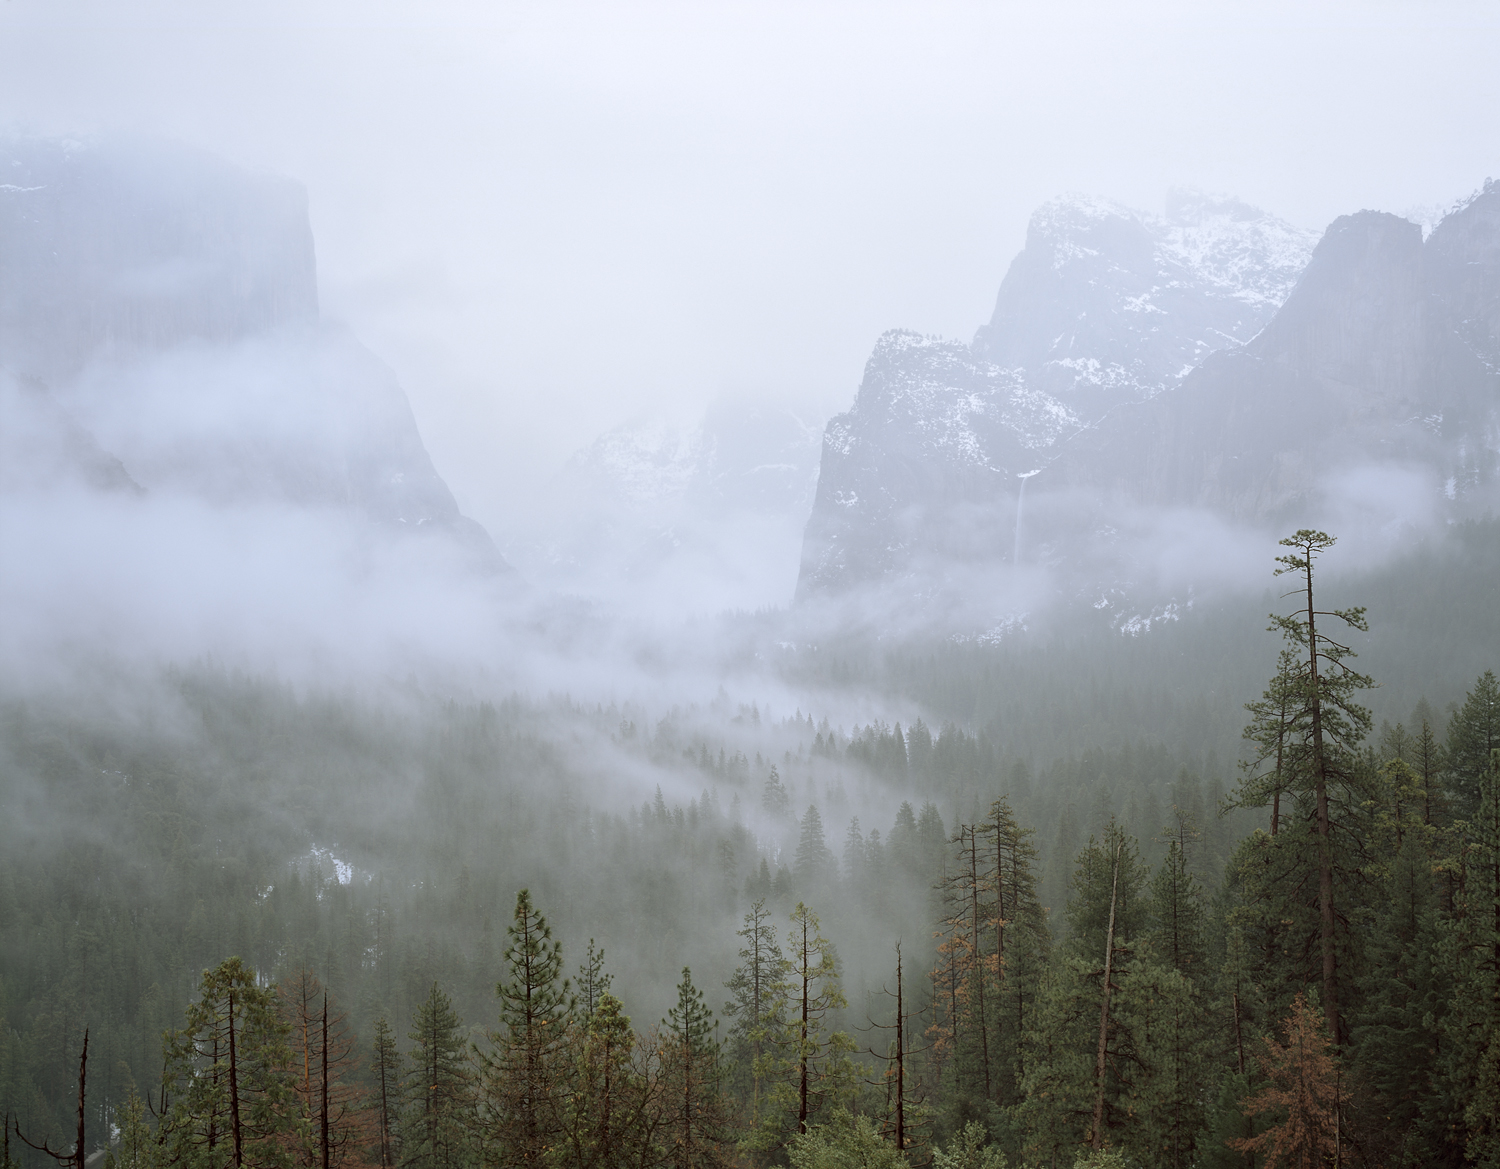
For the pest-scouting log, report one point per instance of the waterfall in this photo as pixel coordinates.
(1021, 499)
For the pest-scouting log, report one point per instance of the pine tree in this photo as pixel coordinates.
(137, 1145)
(774, 798)
(846, 1141)
(1302, 1096)
(814, 857)
(608, 1121)
(691, 1073)
(1311, 716)
(1473, 732)
(1330, 725)
(1176, 932)
(968, 965)
(593, 981)
(331, 1105)
(525, 1080)
(760, 990)
(1471, 1058)
(1083, 1047)
(813, 1062)
(1022, 945)
(389, 1090)
(1268, 774)
(228, 1082)
(1402, 1004)
(435, 1131)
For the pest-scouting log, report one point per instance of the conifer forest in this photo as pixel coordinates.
(813, 944)
(651, 584)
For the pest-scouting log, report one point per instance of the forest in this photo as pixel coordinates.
(243, 925)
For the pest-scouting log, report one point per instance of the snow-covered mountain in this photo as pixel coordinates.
(160, 333)
(1105, 304)
(1212, 360)
(1103, 307)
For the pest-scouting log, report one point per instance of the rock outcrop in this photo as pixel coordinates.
(160, 331)
(1104, 309)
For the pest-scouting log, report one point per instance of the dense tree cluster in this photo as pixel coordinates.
(1105, 960)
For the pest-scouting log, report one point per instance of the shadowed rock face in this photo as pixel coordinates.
(1382, 362)
(159, 326)
(124, 248)
(1382, 356)
(1103, 309)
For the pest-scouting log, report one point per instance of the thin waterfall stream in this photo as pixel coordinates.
(1020, 500)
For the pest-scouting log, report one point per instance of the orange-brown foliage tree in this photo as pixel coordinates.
(1303, 1094)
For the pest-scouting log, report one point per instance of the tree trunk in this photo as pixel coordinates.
(323, 1109)
(79, 1156)
(234, 1093)
(1109, 956)
(978, 960)
(802, 1047)
(1327, 920)
(900, 1061)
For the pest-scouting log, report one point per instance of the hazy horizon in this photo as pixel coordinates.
(552, 220)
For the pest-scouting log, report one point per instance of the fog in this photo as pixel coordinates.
(578, 447)
(555, 218)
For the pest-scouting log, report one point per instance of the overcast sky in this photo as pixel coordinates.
(554, 218)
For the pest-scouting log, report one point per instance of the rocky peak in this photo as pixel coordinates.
(159, 312)
(1356, 316)
(1107, 305)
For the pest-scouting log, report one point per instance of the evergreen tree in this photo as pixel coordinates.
(1084, 1048)
(434, 1133)
(1473, 732)
(1176, 934)
(1328, 727)
(1022, 945)
(609, 1125)
(814, 857)
(813, 1062)
(1471, 1056)
(691, 1074)
(845, 1141)
(1402, 1003)
(228, 1083)
(1302, 1097)
(968, 966)
(593, 981)
(389, 1090)
(330, 1104)
(526, 1079)
(774, 798)
(760, 991)
(1269, 773)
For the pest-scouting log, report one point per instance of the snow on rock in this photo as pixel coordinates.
(1104, 306)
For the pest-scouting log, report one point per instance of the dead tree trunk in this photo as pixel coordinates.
(78, 1156)
(1109, 958)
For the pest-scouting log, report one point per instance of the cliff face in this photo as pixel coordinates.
(1381, 357)
(1381, 360)
(1104, 309)
(1106, 305)
(159, 327)
(118, 249)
